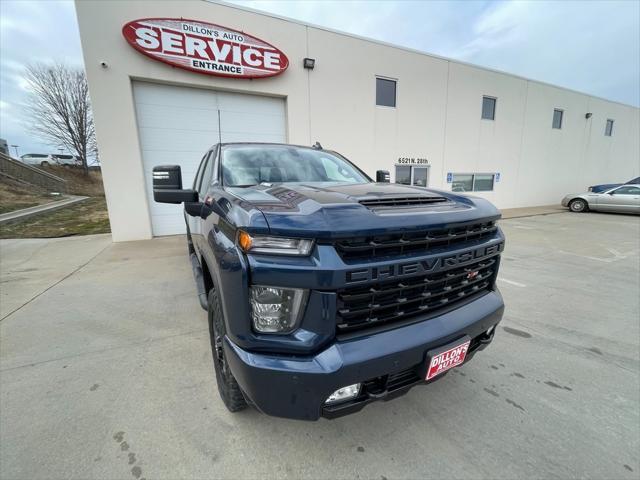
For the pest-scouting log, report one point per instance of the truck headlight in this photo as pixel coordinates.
(276, 310)
(274, 245)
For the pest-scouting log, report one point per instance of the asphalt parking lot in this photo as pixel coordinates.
(105, 372)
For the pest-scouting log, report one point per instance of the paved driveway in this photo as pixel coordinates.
(105, 372)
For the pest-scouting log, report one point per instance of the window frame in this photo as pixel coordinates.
(553, 119)
(473, 181)
(495, 108)
(608, 127)
(395, 97)
(411, 168)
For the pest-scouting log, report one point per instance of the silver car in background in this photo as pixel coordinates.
(622, 199)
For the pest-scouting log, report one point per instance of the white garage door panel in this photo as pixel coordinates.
(177, 125)
(158, 116)
(251, 122)
(183, 140)
(159, 94)
(241, 137)
(239, 102)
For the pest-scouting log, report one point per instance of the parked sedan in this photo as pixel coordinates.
(622, 199)
(608, 186)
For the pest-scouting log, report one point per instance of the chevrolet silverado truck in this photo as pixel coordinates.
(326, 290)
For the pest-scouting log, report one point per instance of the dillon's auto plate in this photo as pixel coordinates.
(447, 357)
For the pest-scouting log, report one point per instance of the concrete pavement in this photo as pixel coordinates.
(532, 211)
(29, 267)
(107, 373)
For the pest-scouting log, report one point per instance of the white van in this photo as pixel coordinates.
(41, 159)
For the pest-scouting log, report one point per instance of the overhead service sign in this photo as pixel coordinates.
(205, 48)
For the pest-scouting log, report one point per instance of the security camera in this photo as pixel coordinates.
(103, 64)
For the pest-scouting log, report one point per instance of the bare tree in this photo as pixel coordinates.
(60, 108)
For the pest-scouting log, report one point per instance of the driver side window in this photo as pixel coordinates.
(626, 191)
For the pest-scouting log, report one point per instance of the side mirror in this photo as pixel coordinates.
(167, 185)
(382, 176)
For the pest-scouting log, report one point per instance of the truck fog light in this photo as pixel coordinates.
(344, 393)
(276, 310)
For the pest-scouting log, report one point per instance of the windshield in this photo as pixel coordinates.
(251, 165)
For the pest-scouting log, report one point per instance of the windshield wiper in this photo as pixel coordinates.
(244, 186)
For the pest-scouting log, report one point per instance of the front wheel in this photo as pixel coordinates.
(228, 387)
(44, 164)
(578, 205)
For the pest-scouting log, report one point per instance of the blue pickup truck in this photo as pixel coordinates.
(326, 290)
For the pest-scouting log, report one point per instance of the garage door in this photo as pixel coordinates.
(177, 125)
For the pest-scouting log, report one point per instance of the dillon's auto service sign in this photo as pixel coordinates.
(205, 48)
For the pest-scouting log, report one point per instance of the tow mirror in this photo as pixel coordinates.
(382, 176)
(167, 185)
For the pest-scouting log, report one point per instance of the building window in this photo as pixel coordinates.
(557, 119)
(483, 183)
(608, 130)
(412, 175)
(385, 92)
(403, 175)
(488, 108)
(477, 182)
(420, 176)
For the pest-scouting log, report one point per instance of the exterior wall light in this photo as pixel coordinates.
(309, 63)
(588, 115)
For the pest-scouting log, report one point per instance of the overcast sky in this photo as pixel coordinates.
(589, 46)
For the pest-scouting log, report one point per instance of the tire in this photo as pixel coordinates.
(228, 387)
(44, 164)
(578, 205)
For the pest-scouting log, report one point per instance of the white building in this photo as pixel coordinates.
(428, 120)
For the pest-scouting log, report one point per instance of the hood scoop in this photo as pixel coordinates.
(401, 202)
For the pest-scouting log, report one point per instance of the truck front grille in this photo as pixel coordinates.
(412, 242)
(386, 302)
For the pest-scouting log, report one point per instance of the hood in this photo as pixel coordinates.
(338, 210)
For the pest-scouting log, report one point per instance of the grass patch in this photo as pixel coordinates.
(77, 182)
(84, 218)
(16, 196)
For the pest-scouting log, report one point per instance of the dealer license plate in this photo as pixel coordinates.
(447, 357)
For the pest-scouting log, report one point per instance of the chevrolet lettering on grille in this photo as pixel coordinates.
(389, 272)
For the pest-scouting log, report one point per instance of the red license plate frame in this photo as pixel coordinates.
(447, 357)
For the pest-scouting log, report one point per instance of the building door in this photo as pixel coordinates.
(177, 125)
(412, 175)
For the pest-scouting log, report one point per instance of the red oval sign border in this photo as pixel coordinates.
(147, 53)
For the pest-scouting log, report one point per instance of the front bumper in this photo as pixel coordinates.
(296, 386)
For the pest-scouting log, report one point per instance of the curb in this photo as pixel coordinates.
(38, 209)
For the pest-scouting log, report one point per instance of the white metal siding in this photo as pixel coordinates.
(177, 125)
